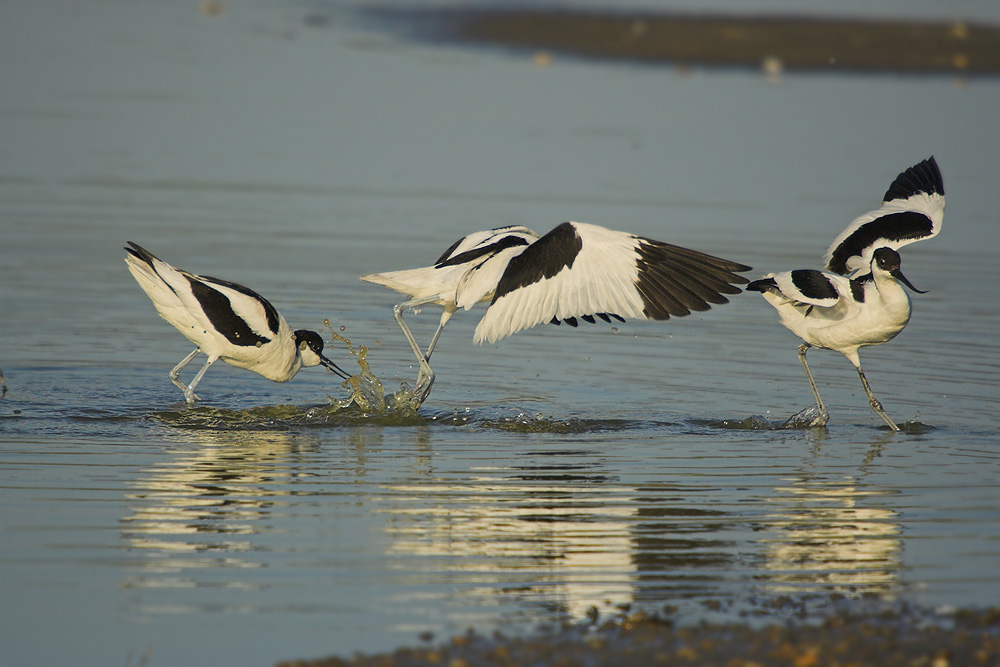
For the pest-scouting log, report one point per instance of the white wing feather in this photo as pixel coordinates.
(930, 205)
(601, 280)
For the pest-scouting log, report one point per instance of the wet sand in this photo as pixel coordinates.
(786, 43)
(885, 639)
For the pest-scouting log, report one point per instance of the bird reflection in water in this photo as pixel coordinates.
(202, 509)
(530, 536)
(833, 535)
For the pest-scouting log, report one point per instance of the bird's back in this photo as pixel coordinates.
(438, 283)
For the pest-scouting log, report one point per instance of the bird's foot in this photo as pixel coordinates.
(877, 407)
(811, 417)
(425, 380)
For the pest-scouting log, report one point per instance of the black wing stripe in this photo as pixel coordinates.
(476, 253)
(813, 284)
(447, 253)
(544, 258)
(270, 312)
(220, 313)
(901, 226)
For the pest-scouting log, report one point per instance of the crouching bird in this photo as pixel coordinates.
(226, 321)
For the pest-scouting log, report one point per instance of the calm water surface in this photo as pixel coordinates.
(550, 473)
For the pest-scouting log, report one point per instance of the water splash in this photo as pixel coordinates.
(751, 423)
(367, 391)
(809, 417)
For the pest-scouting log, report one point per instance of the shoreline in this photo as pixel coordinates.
(692, 40)
(902, 637)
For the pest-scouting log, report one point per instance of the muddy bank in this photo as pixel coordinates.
(885, 639)
(788, 43)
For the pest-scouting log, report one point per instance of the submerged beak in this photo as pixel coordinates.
(898, 275)
(337, 370)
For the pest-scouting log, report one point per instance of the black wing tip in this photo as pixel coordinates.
(139, 252)
(740, 280)
(589, 319)
(923, 177)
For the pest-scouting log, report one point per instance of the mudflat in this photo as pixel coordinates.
(788, 42)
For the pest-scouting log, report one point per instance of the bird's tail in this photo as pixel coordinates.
(762, 285)
(141, 263)
(418, 283)
(145, 268)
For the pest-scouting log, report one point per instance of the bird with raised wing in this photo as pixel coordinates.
(843, 309)
(575, 272)
(226, 321)
(912, 210)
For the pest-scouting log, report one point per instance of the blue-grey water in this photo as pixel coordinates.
(281, 146)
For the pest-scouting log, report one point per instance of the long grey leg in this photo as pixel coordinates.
(425, 377)
(397, 312)
(175, 374)
(872, 401)
(189, 392)
(445, 316)
(824, 416)
(812, 383)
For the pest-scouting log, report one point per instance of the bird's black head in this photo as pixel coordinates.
(888, 261)
(310, 340)
(310, 346)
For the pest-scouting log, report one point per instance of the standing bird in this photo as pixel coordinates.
(841, 309)
(575, 271)
(226, 321)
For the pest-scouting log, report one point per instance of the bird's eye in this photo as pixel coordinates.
(303, 345)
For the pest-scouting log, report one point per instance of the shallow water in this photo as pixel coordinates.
(555, 471)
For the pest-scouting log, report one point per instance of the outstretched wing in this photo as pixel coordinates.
(912, 210)
(582, 271)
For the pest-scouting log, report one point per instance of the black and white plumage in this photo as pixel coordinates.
(226, 321)
(575, 272)
(912, 210)
(831, 310)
